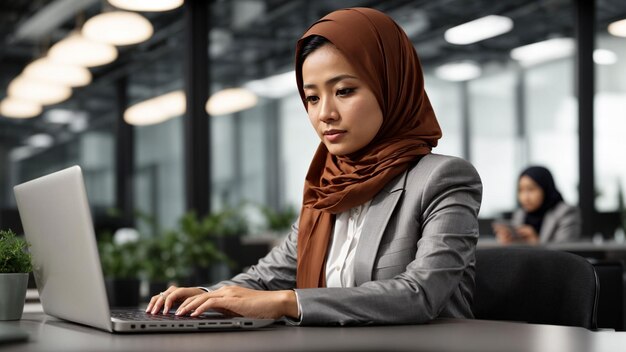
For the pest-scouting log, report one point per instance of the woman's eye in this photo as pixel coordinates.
(311, 99)
(345, 91)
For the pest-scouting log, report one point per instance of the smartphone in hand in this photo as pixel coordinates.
(507, 224)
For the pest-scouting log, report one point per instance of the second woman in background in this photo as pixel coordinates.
(543, 216)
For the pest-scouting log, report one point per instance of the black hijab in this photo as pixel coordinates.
(551, 196)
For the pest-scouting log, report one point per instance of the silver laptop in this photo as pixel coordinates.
(57, 223)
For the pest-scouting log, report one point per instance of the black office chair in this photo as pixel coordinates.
(535, 285)
(611, 298)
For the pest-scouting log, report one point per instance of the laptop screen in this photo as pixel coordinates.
(57, 224)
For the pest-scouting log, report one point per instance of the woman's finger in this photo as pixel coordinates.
(152, 302)
(161, 298)
(185, 303)
(213, 302)
(175, 296)
(193, 303)
(179, 295)
(157, 300)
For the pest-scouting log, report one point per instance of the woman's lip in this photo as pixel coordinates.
(333, 132)
(334, 136)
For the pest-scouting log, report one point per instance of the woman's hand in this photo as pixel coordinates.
(167, 298)
(527, 234)
(241, 301)
(503, 233)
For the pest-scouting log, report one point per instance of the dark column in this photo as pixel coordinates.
(4, 177)
(197, 128)
(124, 157)
(465, 121)
(585, 36)
(273, 176)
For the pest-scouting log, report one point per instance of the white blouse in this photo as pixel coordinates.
(345, 238)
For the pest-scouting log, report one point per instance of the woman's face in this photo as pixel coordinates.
(530, 194)
(342, 108)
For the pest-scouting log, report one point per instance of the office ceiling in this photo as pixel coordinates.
(252, 39)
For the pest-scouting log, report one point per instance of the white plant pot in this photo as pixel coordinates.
(12, 295)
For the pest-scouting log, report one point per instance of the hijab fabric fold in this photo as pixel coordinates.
(384, 58)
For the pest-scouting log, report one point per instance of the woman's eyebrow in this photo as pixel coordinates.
(330, 81)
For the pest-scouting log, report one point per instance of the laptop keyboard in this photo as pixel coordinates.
(139, 315)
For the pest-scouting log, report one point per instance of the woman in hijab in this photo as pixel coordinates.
(387, 230)
(543, 215)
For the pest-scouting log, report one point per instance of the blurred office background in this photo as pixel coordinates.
(144, 145)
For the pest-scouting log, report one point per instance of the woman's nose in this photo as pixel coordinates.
(328, 111)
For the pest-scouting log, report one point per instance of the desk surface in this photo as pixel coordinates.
(51, 334)
(587, 246)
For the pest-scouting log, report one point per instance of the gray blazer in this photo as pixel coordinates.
(560, 224)
(415, 257)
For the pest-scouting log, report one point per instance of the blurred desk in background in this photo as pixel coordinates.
(599, 250)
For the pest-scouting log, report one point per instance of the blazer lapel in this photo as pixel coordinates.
(376, 220)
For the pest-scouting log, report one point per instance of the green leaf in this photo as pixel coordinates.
(14, 255)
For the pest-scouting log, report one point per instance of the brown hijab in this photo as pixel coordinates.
(384, 58)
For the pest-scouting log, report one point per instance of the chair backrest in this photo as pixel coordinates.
(535, 285)
(611, 298)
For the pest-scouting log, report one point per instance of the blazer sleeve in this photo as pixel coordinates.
(568, 225)
(275, 271)
(446, 211)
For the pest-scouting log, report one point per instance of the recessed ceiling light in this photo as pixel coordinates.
(551, 49)
(24, 88)
(477, 30)
(77, 50)
(47, 70)
(618, 28)
(118, 28)
(19, 109)
(146, 5)
(231, 100)
(458, 71)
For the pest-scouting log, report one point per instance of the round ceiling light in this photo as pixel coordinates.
(231, 100)
(47, 70)
(146, 5)
(118, 28)
(23, 88)
(40, 140)
(604, 57)
(478, 30)
(544, 51)
(458, 71)
(618, 28)
(77, 50)
(157, 109)
(19, 109)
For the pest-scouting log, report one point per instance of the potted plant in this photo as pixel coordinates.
(15, 265)
(164, 261)
(278, 222)
(122, 262)
(206, 241)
